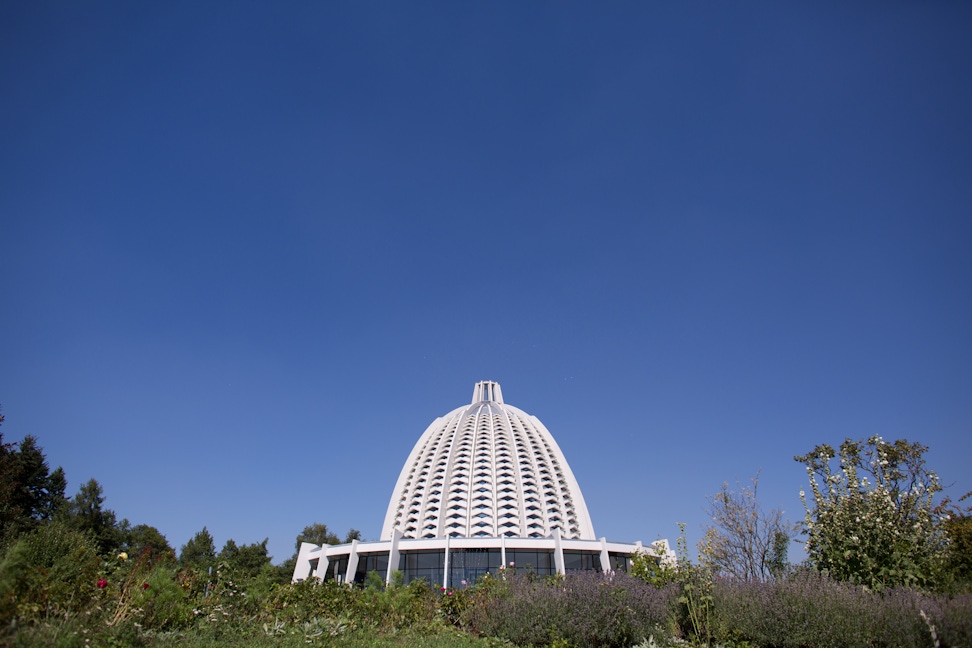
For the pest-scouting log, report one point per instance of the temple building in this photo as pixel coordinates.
(485, 487)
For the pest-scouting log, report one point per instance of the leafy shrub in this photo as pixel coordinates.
(51, 571)
(584, 609)
(293, 606)
(811, 609)
(874, 520)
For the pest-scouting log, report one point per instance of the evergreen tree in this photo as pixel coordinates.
(86, 513)
(199, 552)
(29, 492)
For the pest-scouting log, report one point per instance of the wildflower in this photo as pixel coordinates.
(123, 556)
(145, 586)
(102, 583)
(449, 593)
(512, 564)
(463, 583)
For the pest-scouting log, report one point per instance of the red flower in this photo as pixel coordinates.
(102, 583)
(144, 585)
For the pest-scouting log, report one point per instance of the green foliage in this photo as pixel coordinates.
(49, 572)
(144, 540)
(245, 561)
(85, 513)
(292, 606)
(652, 566)
(874, 521)
(959, 556)
(200, 552)
(695, 602)
(29, 492)
(318, 534)
(374, 581)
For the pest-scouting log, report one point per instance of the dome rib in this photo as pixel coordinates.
(487, 469)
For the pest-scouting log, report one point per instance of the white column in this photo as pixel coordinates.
(393, 555)
(558, 553)
(352, 563)
(445, 565)
(605, 558)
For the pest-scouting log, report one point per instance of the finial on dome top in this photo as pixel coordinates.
(487, 390)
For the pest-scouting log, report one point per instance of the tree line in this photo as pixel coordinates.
(873, 516)
(32, 495)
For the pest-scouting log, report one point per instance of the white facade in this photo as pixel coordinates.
(487, 470)
(485, 487)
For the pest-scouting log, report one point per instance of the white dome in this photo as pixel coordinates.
(487, 470)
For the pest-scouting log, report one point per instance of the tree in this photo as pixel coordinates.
(199, 552)
(959, 529)
(318, 534)
(746, 542)
(247, 560)
(874, 520)
(146, 541)
(85, 513)
(29, 492)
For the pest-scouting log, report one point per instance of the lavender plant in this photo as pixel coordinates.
(583, 609)
(812, 609)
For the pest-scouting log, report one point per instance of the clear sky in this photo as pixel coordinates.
(249, 251)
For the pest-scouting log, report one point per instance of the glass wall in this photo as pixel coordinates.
(582, 561)
(620, 562)
(373, 562)
(337, 568)
(466, 566)
(540, 562)
(422, 564)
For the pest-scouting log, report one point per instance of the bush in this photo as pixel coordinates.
(811, 609)
(51, 571)
(292, 607)
(583, 609)
(874, 520)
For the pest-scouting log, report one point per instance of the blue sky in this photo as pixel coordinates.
(249, 251)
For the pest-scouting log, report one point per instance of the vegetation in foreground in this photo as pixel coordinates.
(889, 566)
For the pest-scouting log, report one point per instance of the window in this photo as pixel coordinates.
(337, 569)
(422, 564)
(541, 562)
(376, 562)
(620, 562)
(582, 561)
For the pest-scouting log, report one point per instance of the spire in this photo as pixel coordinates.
(487, 390)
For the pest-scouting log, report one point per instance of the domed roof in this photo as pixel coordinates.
(487, 469)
